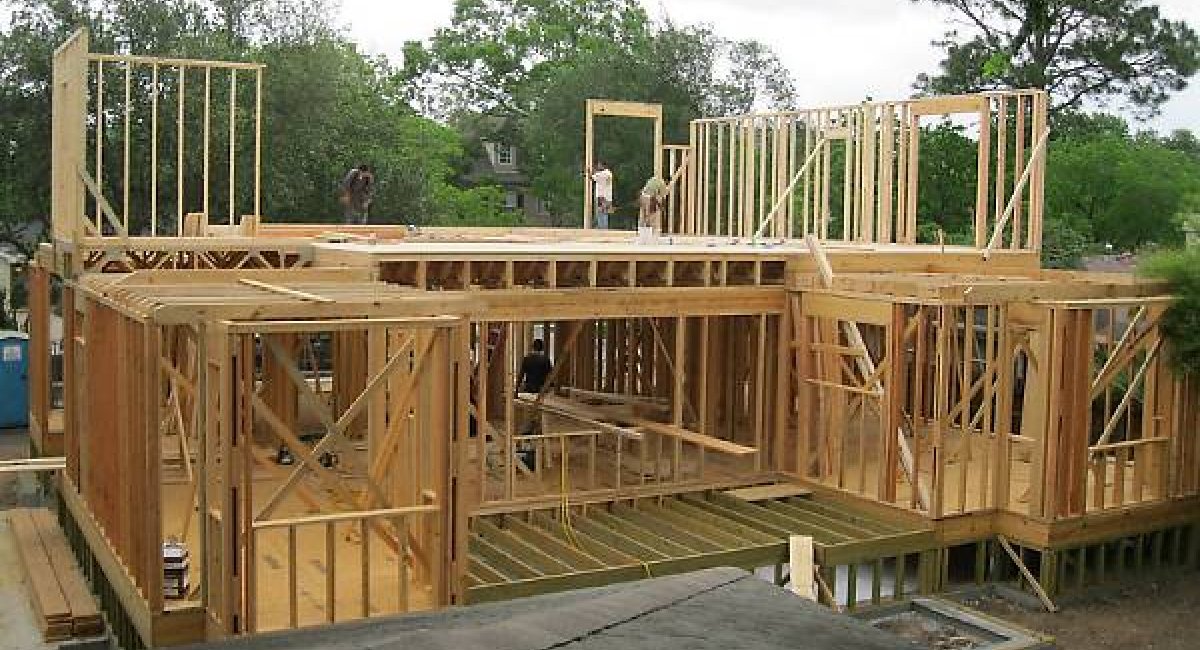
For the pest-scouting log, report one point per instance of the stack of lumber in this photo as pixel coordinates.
(61, 600)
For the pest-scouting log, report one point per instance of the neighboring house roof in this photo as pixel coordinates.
(29, 233)
(488, 166)
(487, 130)
(10, 255)
(1119, 263)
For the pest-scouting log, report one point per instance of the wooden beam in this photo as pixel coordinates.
(802, 567)
(708, 442)
(274, 288)
(867, 367)
(559, 364)
(103, 206)
(1033, 582)
(45, 464)
(580, 414)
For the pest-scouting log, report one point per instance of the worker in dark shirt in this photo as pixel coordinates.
(356, 192)
(535, 368)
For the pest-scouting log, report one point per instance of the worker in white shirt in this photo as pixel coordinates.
(602, 178)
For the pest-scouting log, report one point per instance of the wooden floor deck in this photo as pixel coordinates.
(542, 551)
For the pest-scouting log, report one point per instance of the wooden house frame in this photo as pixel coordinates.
(793, 362)
(594, 108)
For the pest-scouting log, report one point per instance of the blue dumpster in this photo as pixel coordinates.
(14, 379)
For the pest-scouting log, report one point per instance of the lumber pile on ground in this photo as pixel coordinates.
(62, 602)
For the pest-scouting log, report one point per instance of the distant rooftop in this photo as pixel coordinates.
(1118, 263)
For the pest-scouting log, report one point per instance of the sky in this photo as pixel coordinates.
(838, 51)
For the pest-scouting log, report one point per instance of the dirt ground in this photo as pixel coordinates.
(1160, 614)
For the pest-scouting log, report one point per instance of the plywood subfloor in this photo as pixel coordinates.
(313, 575)
(970, 475)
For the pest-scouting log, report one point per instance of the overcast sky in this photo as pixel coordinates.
(838, 51)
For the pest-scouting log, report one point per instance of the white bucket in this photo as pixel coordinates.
(646, 235)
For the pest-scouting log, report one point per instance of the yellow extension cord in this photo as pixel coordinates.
(565, 514)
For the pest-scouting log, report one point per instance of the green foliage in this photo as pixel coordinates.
(1185, 142)
(1105, 185)
(1189, 223)
(530, 65)
(947, 178)
(1180, 268)
(326, 107)
(996, 66)
(478, 206)
(493, 51)
(1077, 50)
(1070, 125)
(1063, 245)
(26, 48)
(1124, 191)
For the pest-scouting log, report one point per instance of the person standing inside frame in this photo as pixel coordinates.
(602, 180)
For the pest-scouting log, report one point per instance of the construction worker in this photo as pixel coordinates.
(355, 193)
(602, 180)
(535, 368)
(650, 202)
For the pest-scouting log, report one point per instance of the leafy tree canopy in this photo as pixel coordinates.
(327, 107)
(1122, 190)
(947, 177)
(1181, 269)
(494, 50)
(679, 68)
(1077, 50)
(532, 63)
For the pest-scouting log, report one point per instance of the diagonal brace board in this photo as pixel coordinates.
(866, 367)
(334, 430)
(404, 397)
(105, 207)
(572, 335)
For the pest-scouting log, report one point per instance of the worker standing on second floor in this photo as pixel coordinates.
(355, 193)
(650, 204)
(602, 178)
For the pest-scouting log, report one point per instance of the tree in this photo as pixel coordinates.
(528, 66)
(1125, 191)
(947, 178)
(691, 71)
(1184, 141)
(1071, 125)
(26, 48)
(493, 50)
(1181, 270)
(326, 107)
(1063, 244)
(1077, 50)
